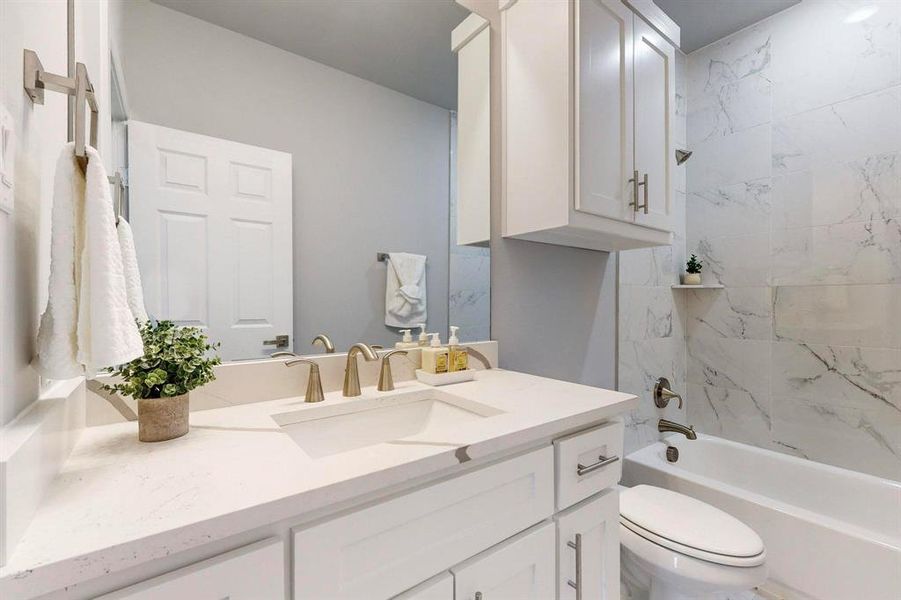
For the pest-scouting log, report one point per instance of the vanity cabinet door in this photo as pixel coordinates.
(389, 547)
(255, 572)
(588, 549)
(654, 109)
(440, 587)
(520, 569)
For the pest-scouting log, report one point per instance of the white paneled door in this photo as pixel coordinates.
(212, 228)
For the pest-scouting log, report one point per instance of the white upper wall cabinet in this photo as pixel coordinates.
(587, 116)
(471, 40)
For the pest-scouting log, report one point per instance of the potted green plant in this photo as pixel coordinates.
(692, 274)
(176, 360)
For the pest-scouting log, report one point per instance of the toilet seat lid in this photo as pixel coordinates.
(689, 526)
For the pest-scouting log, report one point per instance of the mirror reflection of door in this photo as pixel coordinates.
(212, 227)
(276, 149)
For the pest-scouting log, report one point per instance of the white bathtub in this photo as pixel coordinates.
(830, 533)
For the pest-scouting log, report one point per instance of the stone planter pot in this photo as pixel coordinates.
(691, 279)
(161, 419)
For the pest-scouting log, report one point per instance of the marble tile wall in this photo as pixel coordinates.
(651, 329)
(794, 204)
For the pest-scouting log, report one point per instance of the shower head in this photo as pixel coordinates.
(682, 156)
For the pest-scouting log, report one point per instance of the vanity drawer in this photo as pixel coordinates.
(389, 547)
(588, 462)
(254, 571)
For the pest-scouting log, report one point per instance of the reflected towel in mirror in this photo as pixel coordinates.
(405, 290)
(133, 288)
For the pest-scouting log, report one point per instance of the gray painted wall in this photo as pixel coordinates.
(371, 165)
(553, 309)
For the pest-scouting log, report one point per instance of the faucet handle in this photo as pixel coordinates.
(386, 380)
(314, 382)
(662, 393)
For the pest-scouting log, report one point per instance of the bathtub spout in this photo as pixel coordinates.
(663, 426)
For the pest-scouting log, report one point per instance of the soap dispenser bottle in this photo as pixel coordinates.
(457, 358)
(434, 358)
(423, 336)
(406, 342)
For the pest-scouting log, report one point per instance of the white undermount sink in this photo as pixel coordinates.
(418, 418)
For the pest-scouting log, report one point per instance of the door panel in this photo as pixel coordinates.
(520, 569)
(654, 105)
(596, 521)
(604, 108)
(212, 227)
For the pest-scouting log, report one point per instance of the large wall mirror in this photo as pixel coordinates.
(291, 164)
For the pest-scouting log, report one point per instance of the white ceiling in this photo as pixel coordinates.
(705, 21)
(400, 44)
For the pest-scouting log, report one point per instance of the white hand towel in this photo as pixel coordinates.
(87, 325)
(133, 287)
(405, 292)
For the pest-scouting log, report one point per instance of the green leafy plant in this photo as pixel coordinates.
(176, 360)
(693, 265)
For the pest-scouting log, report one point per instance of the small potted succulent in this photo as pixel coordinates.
(176, 360)
(692, 274)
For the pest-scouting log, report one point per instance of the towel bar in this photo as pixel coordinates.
(78, 84)
(36, 80)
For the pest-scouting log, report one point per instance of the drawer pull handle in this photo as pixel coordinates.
(577, 584)
(603, 461)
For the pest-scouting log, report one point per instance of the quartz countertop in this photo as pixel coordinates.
(119, 503)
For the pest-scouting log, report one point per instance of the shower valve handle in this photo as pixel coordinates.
(663, 394)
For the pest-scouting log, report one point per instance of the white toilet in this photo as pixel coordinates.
(675, 547)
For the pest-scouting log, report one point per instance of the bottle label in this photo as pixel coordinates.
(441, 363)
(460, 361)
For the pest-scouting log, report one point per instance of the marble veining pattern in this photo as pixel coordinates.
(651, 331)
(858, 191)
(794, 204)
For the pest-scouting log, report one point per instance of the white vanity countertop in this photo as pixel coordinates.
(118, 502)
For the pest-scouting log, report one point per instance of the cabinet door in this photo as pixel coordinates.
(654, 105)
(255, 572)
(603, 55)
(588, 549)
(440, 587)
(520, 569)
(391, 546)
(473, 131)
